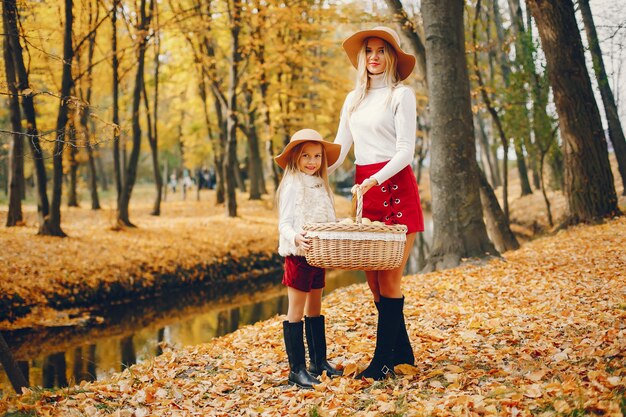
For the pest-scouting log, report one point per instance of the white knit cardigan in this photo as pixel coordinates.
(303, 199)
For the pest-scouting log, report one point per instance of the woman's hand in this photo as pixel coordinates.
(302, 241)
(367, 184)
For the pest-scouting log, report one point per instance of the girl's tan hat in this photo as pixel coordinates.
(352, 46)
(308, 135)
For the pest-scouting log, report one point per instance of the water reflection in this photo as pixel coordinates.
(136, 332)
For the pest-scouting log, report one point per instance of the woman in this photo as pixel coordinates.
(379, 117)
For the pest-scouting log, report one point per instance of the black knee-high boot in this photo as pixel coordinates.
(316, 341)
(402, 351)
(294, 344)
(389, 320)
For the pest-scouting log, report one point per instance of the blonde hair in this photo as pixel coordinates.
(390, 75)
(292, 169)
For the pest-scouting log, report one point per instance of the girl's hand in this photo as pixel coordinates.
(302, 241)
(367, 184)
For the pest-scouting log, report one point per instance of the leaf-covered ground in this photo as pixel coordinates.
(541, 332)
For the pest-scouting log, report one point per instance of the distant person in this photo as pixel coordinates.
(379, 118)
(187, 182)
(173, 182)
(304, 196)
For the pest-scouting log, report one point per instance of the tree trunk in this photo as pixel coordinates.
(86, 111)
(484, 144)
(521, 167)
(16, 153)
(11, 367)
(101, 173)
(131, 170)
(459, 230)
(495, 116)
(230, 157)
(72, 198)
(219, 102)
(117, 168)
(497, 224)
(616, 133)
(264, 86)
(589, 186)
(23, 86)
(52, 224)
(505, 65)
(153, 137)
(255, 165)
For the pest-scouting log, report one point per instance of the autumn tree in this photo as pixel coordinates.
(130, 170)
(53, 221)
(616, 133)
(230, 153)
(117, 166)
(152, 120)
(10, 15)
(86, 92)
(16, 153)
(589, 186)
(459, 230)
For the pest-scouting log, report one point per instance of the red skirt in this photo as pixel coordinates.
(395, 201)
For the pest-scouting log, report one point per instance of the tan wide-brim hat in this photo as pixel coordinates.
(309, 135)
(352, 46)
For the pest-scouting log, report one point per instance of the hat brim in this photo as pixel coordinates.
(352, 46)
(332, 151)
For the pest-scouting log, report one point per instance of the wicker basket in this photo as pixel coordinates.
(365, 247)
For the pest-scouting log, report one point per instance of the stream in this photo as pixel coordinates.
(121, 335)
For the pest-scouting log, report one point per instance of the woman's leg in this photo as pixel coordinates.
(390, 328)
(297, 302)
(390, 282)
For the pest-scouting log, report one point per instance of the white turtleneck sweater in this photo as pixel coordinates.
(381, 129)
(303, 199)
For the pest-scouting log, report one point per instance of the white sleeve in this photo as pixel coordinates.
(405, 121)
(344, 136)
(286, 212)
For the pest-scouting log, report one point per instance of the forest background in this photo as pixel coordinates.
(193, 89)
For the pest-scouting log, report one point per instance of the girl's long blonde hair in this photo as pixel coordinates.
(390, 75)
(292, 169)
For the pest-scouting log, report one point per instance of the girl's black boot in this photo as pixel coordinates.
(316, 341)
(293, 334)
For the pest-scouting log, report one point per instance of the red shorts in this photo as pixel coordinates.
(302, 276)
(395, 201)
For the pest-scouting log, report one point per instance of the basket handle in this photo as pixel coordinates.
(358, 194)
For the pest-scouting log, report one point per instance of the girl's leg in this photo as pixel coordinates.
(316, 335)
(372, 281)
(297, 301)
(313, 307)
(293, 333)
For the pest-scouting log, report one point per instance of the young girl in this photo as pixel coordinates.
(379, 118)
(304, 196)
